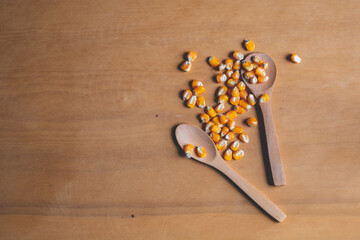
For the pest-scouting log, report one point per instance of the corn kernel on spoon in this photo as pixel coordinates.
(187, 134)
(258, 89)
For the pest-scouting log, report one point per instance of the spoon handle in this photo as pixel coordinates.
(277, 169)
(266, 204)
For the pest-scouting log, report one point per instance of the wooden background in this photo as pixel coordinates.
(89, 97)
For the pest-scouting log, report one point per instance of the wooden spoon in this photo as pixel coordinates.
(277, 169)
(187, 134)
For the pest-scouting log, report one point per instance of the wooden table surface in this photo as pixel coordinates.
(89, 97)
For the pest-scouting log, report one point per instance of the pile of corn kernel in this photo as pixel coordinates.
(221, 126)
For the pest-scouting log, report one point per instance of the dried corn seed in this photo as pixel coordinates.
(251, 99)
(231, 125)
(238, 154)
(230, 136)
(256, 60)
(228, 155)
(295, 58)
(252, 122)
(244, 104)
(263, 79)
(248, 75)
(196, 83)
(237, 130)
(189, 149)
(243, 94)
(231, 115)
(210, 111)
(264, 98)
(265, 65)
(191, 56)
(191, 102)
(235, 145)
(229, 73)
(235, 92)
(199, 90)
(215, 137)
(214, 62)
(204, 118)
(238, 55)
(216, 120)
(221, 78)
(186, 95)
(241, 86)
(200, 151)
(223, 119)
(223, 99)
(200, 102)
(260, 72)
(222, 67)
(186, 66)
(237, 65)
(222, 91)
(236, 75)
(244, 137)
(219, 108)
(231, 82)
(228, 63)
(208, 126)
(253, 80)
(215, 129)
(222, 144)
(234, 100)
(249, 45)
(255, 66)
(224, 131)
(239, 109)
(247, 65)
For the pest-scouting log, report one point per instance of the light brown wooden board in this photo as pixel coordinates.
(89, 94)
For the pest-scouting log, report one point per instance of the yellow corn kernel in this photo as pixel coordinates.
(214, 62)
(249, 45)
(200, 151)
(251, 99)
(230, 136)
(231, 124)
(238, 55)
(229, 73)
(252, 122)
(295, 58)
(222, 67)
(244, 104)
(239, 109)
(200, 102)
(186, 95)
(231, 82)
(264, 98)
(223, 99)
(216, 120)
(222, 144)
(189, 149)
(234, 100)
(241, 86)
(236, 75)
(260, 72)
(204, 118)
(235, 145)
(253, 80)
(238, 154)
(222, 91)
(219, 108)
(248, 75)
(235, 92)
(244, 137)
(231, 115)
(255, 66)
(265, 65)
(228, 63)
(199, 90)
(208, 126)
(196, 83)
(191, 56)
(191, 102)
(215, 137)
(221, 78)
(243, 94)
(223, 119)
(263, 79)
(215, 129)
(210, 111)
(224, 131)
(237, 65)
(247, 65)
(256, 60)
(186, 66)
(237, 129)
(228, 155)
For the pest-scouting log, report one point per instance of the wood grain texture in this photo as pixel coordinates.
(89, 97)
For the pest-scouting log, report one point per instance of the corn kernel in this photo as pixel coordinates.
(224, 131)
(239, 109)
(234, 100)
(189, 149)
(237, 129)
(222, 144)
(231, 125)
(223, 119)
(200, 151)
(199, 90)
(235, 145)
(231, 115)
(236, 75)
(231, 82)
(229, 73)
(252, 122)
(247, 65)
(191, 102)
(228, 155)
(248, 75)
(260, 72)
(264, 98)
(208, 126)
(210, 111)
(230, 136)
(223, 99)
(216, 120)
(196, 83)
(256, 60)
(186, 95)
(222, 67)
(244, 105)
(237, 65)
(243, 94)
(215, 129)
(215, 137)
(219, 108)
(235, 92)
(238, 154)
(238, 55)
(222, 91)
(229, 63)
(200, 102)
(221, 78)
(249, 45)
(186, 66)
(253, 80)
(241, 86)
(295, 58)
(214, 62)
(265, 65)
(191, 56)
(204, 118)
(244, 137)
(251, 99)
(263, 79)
(255, 66)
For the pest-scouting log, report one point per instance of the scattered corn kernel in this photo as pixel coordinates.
(229, 73)
(191, 102)
(236, 75)
(249, 45)
(223, 99)
(228, 63)
(231, 115)
(260, 72)
(238, 154)
(216, 120)
(265, 65)
(234, 100)
(241, 86)
(230, 136)
(243, 94)
(253, 80)
(222, 67)
(235, 92)
(248, 75)
(189, 149)
(204, 118)
(222, 144)
(224, 131)
(295, 58)
(208, 126)
(223, 119)
(214, 62)
(191, 56)
(237, 65)
(263, 79)
(251, 99)
(222, 91)
(252, 122)
(244, 104)
(215, 129)
(215, 137)
(199, 90)
(231, 125)
(247, 65)
(200, 151)
(231, 82)
(228, 155)
(221, 78)
(200, 102)
(196, 83)
(264, 98)
(235, 145)
(186, 95)
(238, 55)
(237, 129)
(186, 66)
(210, 111)
(244, 137)
(239, 109)
(256, 60)
(219, 108)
